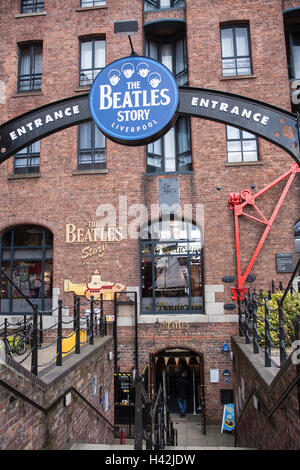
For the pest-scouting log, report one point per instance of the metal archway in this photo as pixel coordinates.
(276, 125)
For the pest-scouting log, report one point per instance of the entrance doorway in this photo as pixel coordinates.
(167, 366)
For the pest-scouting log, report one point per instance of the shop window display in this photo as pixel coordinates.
(26, 257)
(172, 268)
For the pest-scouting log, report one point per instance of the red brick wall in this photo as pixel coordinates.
(24, 427)
(58, 196)
(254, 429)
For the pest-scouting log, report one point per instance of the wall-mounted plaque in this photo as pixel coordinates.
(284, 262)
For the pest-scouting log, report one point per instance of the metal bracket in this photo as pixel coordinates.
(238, 207)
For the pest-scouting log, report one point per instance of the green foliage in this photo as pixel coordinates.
(291, 308)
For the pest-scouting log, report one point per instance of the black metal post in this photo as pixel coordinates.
(297, 337)
(77, 327)
(247, 317)
(59, 335)
(92, 321)
(148, 427)
(240, 314)
(74, 311)
(281, 335)
(5, 327)
(34, 353)
(41, 329)
(115, 333)
(255, 332)
(267, 335)
(136, 333)
(138, 438)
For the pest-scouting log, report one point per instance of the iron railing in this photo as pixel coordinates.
(255, 324)
(90, 321)
(152, 419)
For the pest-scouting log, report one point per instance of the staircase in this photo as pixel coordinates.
(190, 437)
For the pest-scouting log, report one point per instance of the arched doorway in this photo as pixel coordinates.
(166, 366)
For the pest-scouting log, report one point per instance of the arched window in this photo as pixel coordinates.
(26, 253)
(171, 268)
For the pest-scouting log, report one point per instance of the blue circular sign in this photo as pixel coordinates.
(134, 100)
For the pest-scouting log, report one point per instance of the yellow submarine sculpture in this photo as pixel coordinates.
(94, 288)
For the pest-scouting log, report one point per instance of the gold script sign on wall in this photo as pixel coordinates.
(94, 288)
(92, 239)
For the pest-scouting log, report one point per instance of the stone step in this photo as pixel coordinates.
(83, 446)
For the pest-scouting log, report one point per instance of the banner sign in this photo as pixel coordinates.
(137, 112)
(134, 100)
(41, 122)
(274, 124)
(228, 422)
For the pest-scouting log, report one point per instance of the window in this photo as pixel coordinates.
(92, 60)
(173, 151)
(293, 51)
(235, 46)
(30, 67)
(171, 268)
(241, 145)
(150, 5)
(28, 160)
(32, 6)
(91, 147)
(26, 254)
(92, 3)
(172, 54)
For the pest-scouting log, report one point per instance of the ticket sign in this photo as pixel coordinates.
(134, 100)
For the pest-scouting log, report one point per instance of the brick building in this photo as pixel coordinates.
(56, 192)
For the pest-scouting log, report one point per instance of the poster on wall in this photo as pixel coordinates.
(100, 395)
(228, 418)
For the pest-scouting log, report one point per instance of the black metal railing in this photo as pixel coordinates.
(152, 419)
(87, 323)
(266, 324)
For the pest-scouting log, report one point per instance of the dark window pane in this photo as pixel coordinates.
(30, 268)
(32, 6)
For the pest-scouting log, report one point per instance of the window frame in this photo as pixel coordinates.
(92, 40)
(154, 256)
(172, 39)
(43, 259)
(156, 5)
(32, 76)
(177, 155)
(92, 1)
(233, 26)
(289, 30)
(29, 154)
(93, 150)
(35, 8)
(241, 140)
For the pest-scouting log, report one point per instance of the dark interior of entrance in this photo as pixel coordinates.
(168, 367)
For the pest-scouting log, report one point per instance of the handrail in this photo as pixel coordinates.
(46, 410)
(94, 326)
(272, 410)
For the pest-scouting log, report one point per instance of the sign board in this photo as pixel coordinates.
(134, 100)
(284, 262)
(214, 375)
(228, 422)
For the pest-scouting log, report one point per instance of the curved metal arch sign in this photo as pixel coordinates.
(146, 111)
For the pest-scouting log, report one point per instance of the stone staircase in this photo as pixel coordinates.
(190, 437)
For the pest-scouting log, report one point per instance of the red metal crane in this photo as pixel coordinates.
(236, 204)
